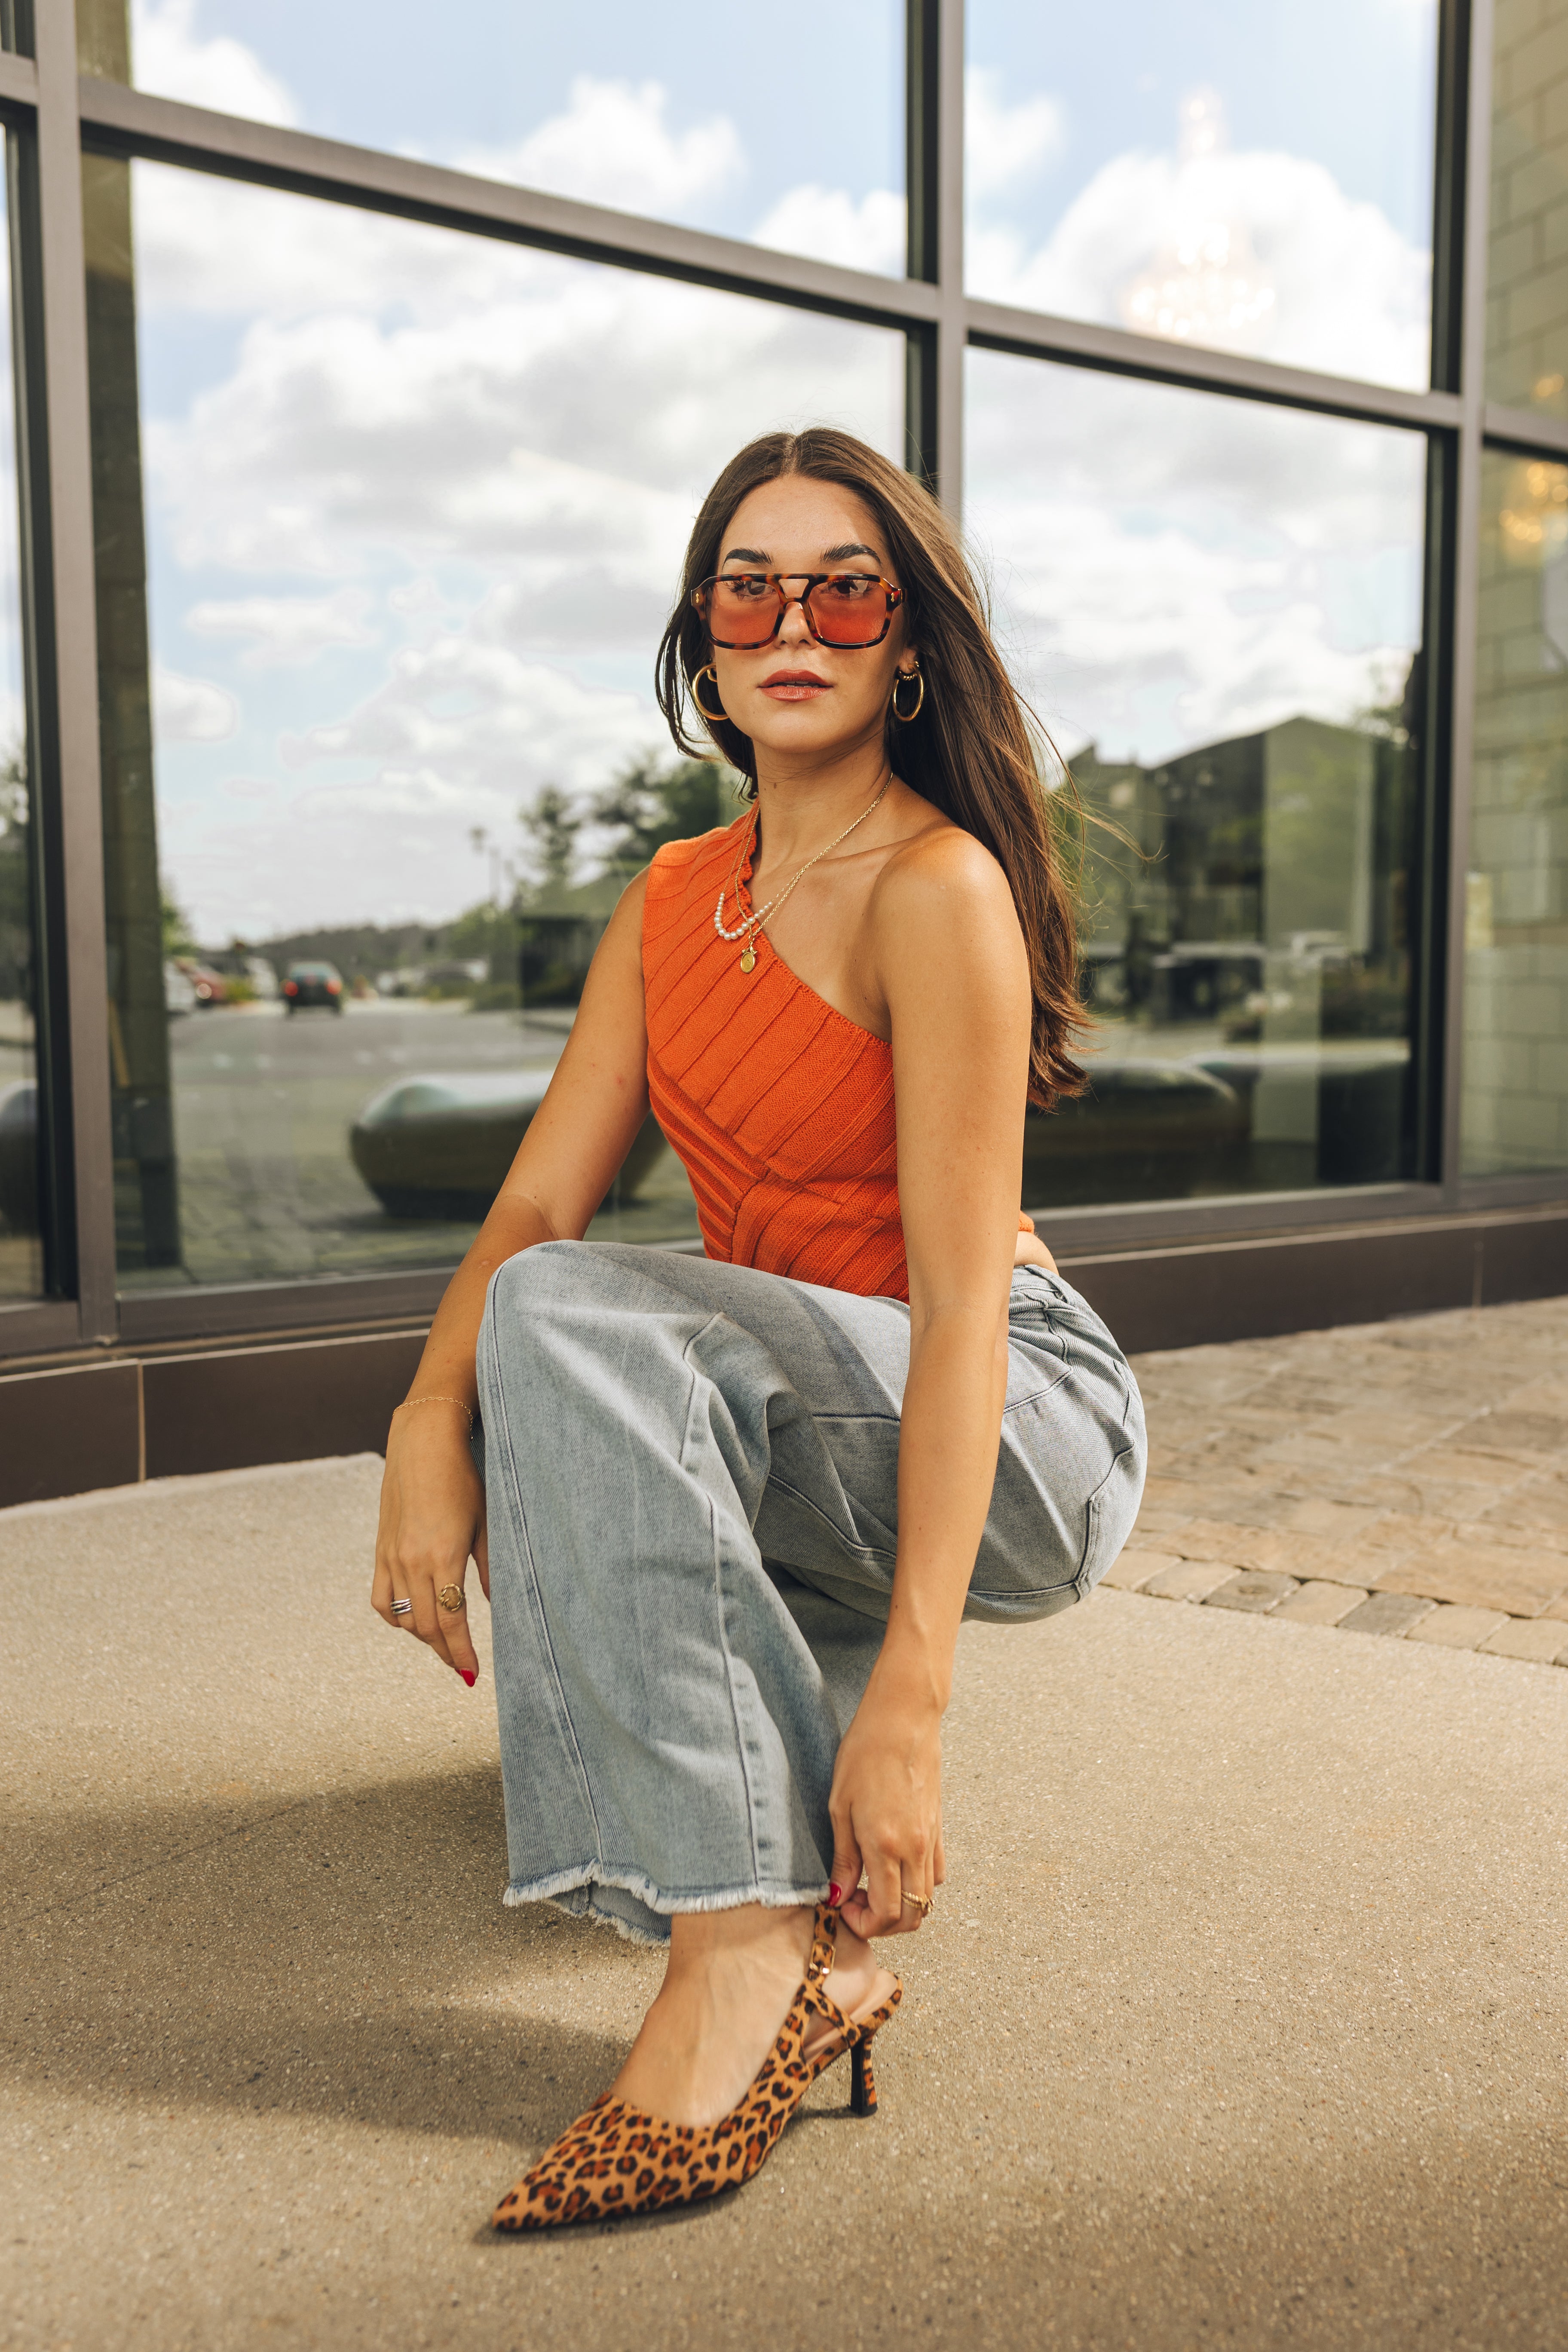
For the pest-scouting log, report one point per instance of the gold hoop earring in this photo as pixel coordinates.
(715, 717)
(902, 680)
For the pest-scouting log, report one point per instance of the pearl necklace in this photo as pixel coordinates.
(751, 925)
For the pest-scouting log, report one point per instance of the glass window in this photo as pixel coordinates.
(390, 518)
(1527, 260)
(1254, 178)
(21, 1252)
(1214, 608)
(1515, 1117)
(730, 124)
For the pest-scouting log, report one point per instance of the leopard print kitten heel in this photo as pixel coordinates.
(616, 2160)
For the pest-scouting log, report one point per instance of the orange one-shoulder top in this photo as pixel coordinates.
(780, 1107)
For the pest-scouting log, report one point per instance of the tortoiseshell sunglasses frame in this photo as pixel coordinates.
(701, 600)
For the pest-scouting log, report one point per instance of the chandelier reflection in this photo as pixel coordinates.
(1206, 286)
(1534, 522)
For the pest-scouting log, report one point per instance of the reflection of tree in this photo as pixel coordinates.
(15, 882)
(178, 938)
(563, 922)
(646, 806)
(551, 824)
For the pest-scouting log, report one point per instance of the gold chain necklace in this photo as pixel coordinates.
(748, 928)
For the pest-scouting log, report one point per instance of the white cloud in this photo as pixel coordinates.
(471, 715)
(191, 709)
(285, 630)
(830, 226)
(1171, 570)
(171, 59)
(613, 146)
(1005, 144)
(1350, 295)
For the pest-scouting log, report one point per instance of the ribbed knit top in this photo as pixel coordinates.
(780, 1107)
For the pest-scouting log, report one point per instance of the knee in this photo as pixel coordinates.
(535, 1278)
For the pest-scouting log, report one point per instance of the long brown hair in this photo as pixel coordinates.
(970, 752)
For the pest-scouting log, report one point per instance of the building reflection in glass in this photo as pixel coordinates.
(1225, 601)
(1515, 1114)
(1246, 954)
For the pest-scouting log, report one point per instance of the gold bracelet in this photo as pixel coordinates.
(408, 1403)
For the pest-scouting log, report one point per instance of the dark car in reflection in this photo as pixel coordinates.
(314, 983)
(440, 1146)
(19, 1157)
(1143, 1130)
(1271, 1118)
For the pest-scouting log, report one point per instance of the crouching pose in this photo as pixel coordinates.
(734, 1507)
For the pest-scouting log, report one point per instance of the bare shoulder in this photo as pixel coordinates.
(630, 904)
(944, 877)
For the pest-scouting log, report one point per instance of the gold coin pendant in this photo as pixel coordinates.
(748, 957)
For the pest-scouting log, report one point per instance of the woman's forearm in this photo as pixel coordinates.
(950, 1434)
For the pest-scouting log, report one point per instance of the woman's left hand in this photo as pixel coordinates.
(885, 1807)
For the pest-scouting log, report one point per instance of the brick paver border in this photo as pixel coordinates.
(1406, 1479)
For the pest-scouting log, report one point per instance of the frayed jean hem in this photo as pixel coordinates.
(643, 1912)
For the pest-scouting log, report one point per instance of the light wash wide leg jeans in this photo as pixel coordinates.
(691, 1477)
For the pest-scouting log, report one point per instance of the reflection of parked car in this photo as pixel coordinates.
(179, 989)
(1359, 1102)
(314, 983)
(19, 1156)
(440, 1146)
(1140, 1133)
(209, 987)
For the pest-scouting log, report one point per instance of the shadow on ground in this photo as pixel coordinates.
(293, 1959)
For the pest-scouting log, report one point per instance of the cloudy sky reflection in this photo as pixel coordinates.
(416, 501)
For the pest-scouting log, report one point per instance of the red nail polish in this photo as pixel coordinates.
(834, 1895)
(470, 1678)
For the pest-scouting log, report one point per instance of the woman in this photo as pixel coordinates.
(735, 1506)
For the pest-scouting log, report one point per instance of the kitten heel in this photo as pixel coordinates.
(862, 2081)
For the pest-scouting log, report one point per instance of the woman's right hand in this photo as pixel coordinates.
(432, 1521)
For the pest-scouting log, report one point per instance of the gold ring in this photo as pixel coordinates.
(922, 1903)
(450, 1597)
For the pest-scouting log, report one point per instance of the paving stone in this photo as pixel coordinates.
(1403, 1532)
(1339, 1522)
(1164, 1491)
(1516, 1431)
(1458, 1629)
(1559, 1608)
(1220, 1539)
(1321, 1603)
(1516, 1537)
(1190, 1580)
(1519, 1583)
(1542, 1503)
(1135, 1568)
(1472, 1465)
(1546, 1396)
(1386, 1612)
(1255, 1590)
(1540, 1639)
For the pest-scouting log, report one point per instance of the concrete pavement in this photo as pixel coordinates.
(1241, 2019)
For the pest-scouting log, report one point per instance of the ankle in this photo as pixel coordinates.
(751, 1938)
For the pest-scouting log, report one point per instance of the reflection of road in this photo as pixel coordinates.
(263, 1105)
